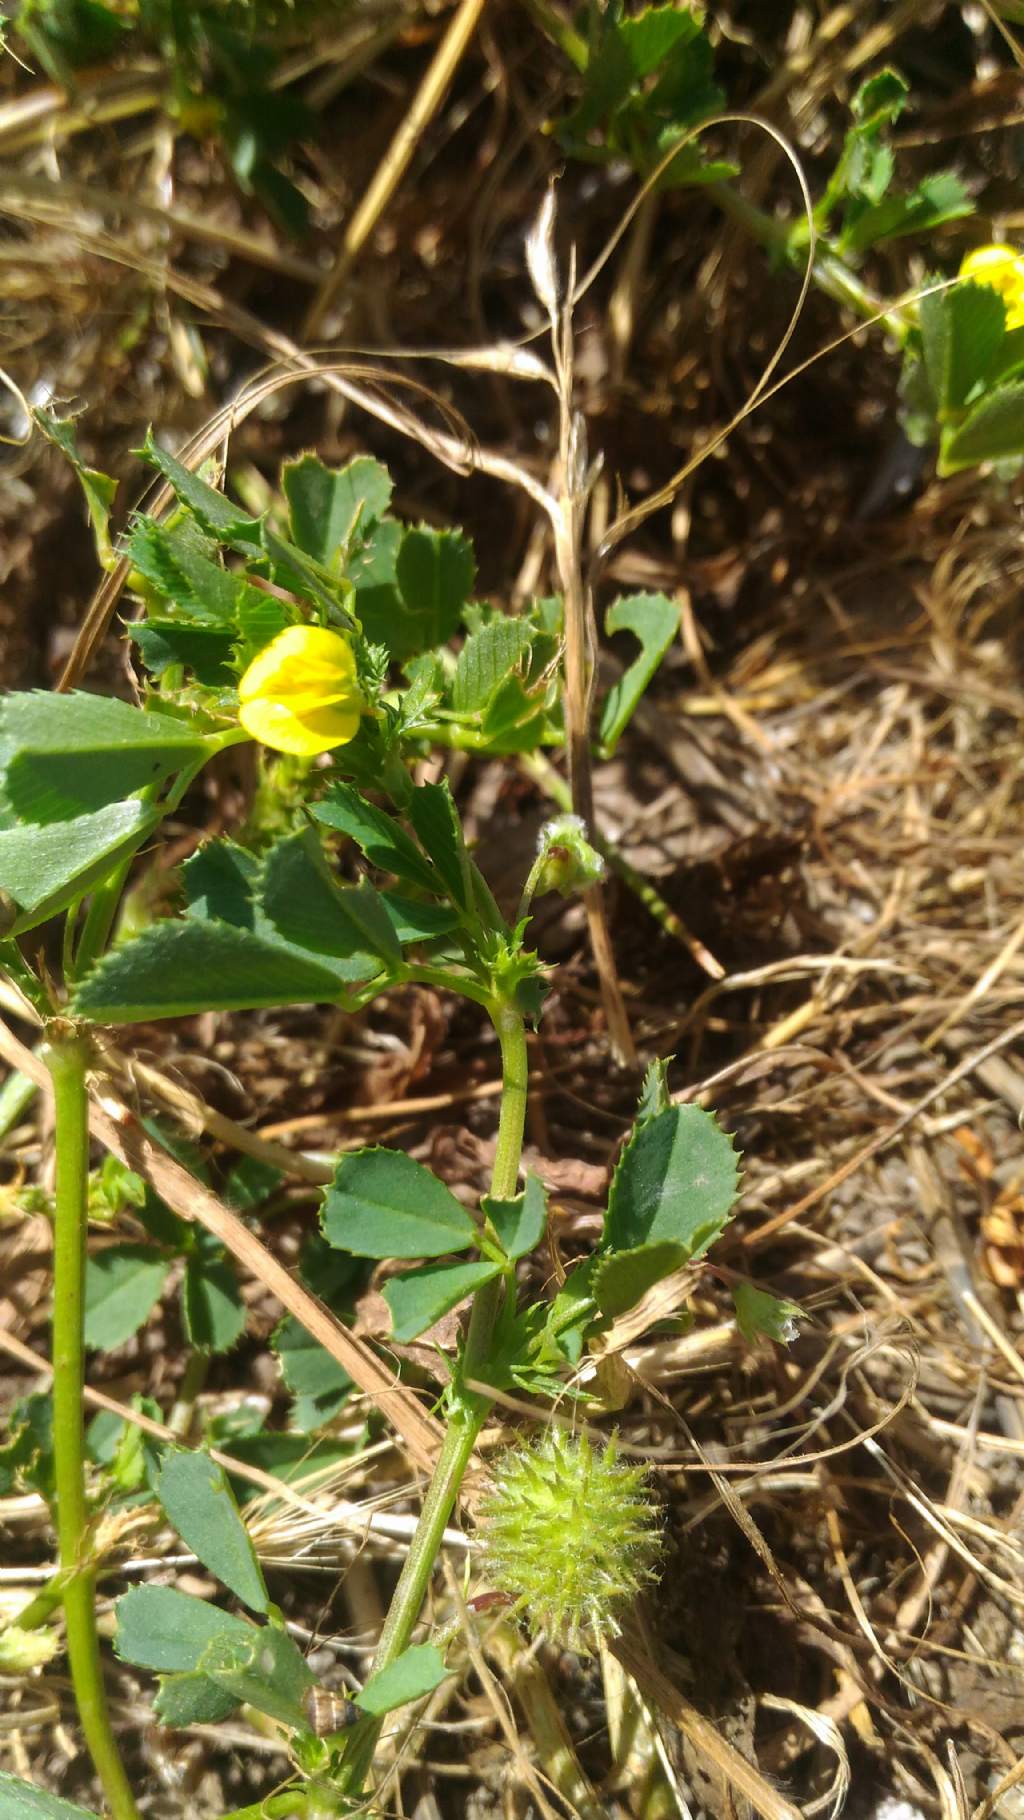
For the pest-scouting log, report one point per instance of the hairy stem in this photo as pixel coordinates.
(65, 1056)
(468, 1410)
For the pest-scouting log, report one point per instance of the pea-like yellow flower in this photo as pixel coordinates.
(300, 695)
(1002, 270)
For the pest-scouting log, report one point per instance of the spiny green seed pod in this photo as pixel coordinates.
(570, 1533)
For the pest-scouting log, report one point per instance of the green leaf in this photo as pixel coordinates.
(414, 922)
(993, 431)
(26, 1459)
(204, 650)
(198, 1502)
(420, 1297)
(382, 1204)
(184, 1700)
(20, 1801)
(519, 1223)
(758, 1312)
(213, 1313)
(219, 882)
(176, 969)
(654, 620)
(880, 100)
(485, 661)
(435, 571)
(122, 1287)
(263, 1668)
(382, 839)
(318, 1383)
(676, 1182)
(314, 914)
(621, 1279)
(99, 489)
(65, 755)
(217, 515)
(417, 1671)
(654, 1094)
(327, 505)
(961, 333)
(288, 1457)
(174, 561)
(434, 817)
(161, 1628)
(938, 198)
(44, 869)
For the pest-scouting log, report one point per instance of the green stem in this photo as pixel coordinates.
(65, 1055)
(275, 1807)
(829, 273)
(468, 1410)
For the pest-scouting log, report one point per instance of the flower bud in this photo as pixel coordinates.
(301, 694)
(566, 862)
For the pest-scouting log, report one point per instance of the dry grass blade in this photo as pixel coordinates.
(722, 1757)
(118, 1129)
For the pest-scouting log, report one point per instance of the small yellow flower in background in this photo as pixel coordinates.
(300, 694)
(1001, 268)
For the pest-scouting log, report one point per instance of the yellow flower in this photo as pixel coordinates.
(1002, 270)
(300, 694)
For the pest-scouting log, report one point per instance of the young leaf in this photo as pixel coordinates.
(654, 620)
(623, 1278)
(383, 1204)
(178, 968)
(485, 661)
(173, 560)
(217, 515)
(435, 572)
(327, 504)
(213, 1313)
(20, 1801)
(758, 1312)
(100, 489)
(192, 1699)
(938, 198)
(64, 755)
(519, 1223)
(417, 1671)
(993, 431)
(318, 1383)
(676, 1182)
(123, 1285)
(263, 1668)
(161, 1628)
(435, 819)
(654, 1094)
(382, 839)
(420, 1297)
(199, 1504)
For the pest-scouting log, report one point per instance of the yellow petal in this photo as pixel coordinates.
(301, 660)
(1001, 268)
(274, 725)
(300, 695)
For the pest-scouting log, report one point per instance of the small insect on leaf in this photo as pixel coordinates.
(329, 1712)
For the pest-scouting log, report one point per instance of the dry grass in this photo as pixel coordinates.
(826, 788)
